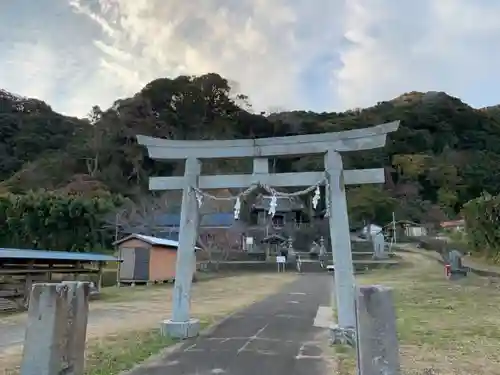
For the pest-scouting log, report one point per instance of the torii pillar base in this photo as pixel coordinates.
(180, 330)
(342, 336)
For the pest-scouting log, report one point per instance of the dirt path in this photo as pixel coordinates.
(142, 308)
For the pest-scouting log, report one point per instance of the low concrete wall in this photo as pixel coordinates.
(361, 246)
(306, 266)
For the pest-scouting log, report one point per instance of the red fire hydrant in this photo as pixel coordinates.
(447, 270)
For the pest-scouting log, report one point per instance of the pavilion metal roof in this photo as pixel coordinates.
(54, 255)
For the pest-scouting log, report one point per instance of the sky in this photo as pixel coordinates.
(320, 55)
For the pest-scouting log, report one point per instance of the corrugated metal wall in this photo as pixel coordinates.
(135, 255)
(141, 269)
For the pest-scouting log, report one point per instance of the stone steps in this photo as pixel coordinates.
(359, 265)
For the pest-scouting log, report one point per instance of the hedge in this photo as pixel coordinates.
(51, 221)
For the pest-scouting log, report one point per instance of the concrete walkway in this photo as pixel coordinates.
(275, 336)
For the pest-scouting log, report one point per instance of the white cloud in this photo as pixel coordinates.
(55, 76)
(263, 45)
(21, 68)
(375, 49)
(398, 46)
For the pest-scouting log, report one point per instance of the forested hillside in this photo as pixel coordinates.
(445, 153)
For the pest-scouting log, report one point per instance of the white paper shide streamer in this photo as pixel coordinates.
(200, 195)
(237, 208)
(199, 198)
(272, 205)
(316, 198)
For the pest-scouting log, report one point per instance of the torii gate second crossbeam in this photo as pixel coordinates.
(181, 325)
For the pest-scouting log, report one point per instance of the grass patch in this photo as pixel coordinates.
(345, 360)
(444, 326)
(121, 352)
(126, 293)
(118, 353)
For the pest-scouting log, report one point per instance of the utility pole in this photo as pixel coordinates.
(394, 226)
(116, 226)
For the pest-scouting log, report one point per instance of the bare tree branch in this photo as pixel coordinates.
(218, 243)
(141, 217)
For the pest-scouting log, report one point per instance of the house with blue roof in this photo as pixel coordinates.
(168, 224)
(215, 220)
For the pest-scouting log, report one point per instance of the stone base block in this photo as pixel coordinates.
(342, 336)
(180, 330)
(381, 256)
(457, 276)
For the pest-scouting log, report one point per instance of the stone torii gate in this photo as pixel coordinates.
(181, 325)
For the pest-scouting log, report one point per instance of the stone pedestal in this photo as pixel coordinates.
(56, 329)
(180, 330)
(457, 275)
(378, 347)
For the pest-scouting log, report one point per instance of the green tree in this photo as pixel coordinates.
(52, 221)
(370, 204)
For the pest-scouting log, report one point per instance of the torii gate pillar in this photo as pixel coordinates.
(182, 325)
(340, 240)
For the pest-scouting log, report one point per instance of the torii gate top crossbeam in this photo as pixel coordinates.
(350, 140)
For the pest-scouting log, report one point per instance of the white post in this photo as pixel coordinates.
(341, 241)
(182, 325)
(377, 342)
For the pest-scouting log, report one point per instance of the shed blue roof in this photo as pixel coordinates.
(54, 255)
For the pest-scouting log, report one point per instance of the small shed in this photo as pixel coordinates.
(147, 259)
(415, 231)
(274, 243)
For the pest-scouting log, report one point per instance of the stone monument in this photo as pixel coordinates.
(379, 252)
(457, 269)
